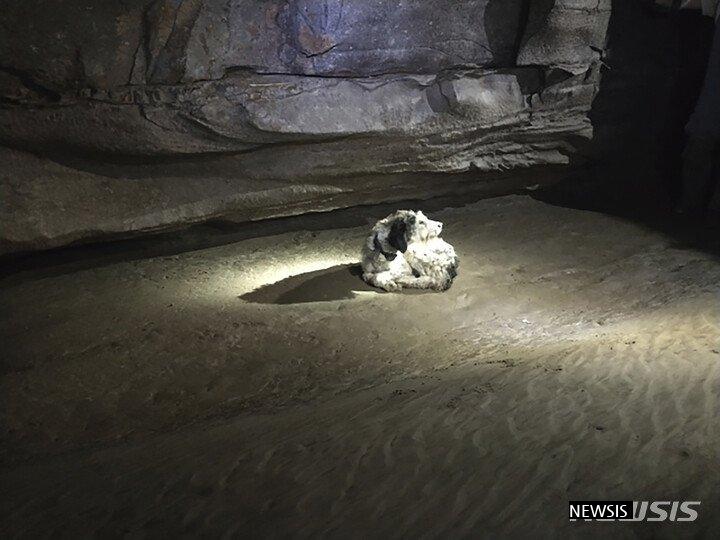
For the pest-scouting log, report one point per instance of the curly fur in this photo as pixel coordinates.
(405, 250)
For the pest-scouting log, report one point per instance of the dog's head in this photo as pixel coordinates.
(423, 228)
(405, 227)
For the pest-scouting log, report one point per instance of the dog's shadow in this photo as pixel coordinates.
(326, 285)
(335, 283)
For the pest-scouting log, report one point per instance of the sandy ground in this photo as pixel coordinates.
(260, 389)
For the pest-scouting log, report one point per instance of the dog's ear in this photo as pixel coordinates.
(396, 236)
(378, 246)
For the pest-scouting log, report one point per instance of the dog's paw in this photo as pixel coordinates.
(392, 287)
(443, 285)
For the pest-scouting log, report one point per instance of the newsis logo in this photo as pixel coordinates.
(633, 510)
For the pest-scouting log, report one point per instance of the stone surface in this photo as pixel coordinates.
(81, 43)
(568, 33)
(45, 204)
(296, 94)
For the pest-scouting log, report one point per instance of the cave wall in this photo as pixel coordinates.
(653, 68)
(124, 117)
(656, 63)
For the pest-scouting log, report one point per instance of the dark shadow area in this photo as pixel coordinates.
(326, 285)
(653, 71)
(683, 232)
(652, 75)
(505, 22)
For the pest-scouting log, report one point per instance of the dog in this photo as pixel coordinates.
(405, 251)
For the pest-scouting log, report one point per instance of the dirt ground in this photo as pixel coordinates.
(260, 389)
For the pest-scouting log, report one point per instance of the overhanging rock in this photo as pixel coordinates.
(175, 112)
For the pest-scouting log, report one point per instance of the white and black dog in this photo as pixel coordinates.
(405, 250)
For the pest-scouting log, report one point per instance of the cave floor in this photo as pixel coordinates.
(260, 389)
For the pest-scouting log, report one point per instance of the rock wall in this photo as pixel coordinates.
(124, 117)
